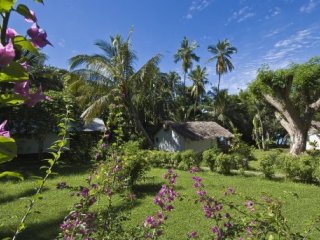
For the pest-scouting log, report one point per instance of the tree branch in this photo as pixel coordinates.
(284, 123)
(280, 107)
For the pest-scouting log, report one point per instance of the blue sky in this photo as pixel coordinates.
(276, 32)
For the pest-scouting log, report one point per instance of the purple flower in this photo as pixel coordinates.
(36, 97)
(84, 192)
(228, 225)
(194, 170)
(173, 179)
(193, 234)
(38, 36)
(217, 232)
(7, 54)
(3, 132)
(61, 185)
(108, 191)
(103, 145)
(33, 17)
(197, 181)
(229, 191)
(249, 205)
(22, 88)
(201, 193)
(11, 33)
(150, 222)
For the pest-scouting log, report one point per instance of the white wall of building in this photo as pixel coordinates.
(313, 138)
(200, 145)
(30, 145)
(169, 140)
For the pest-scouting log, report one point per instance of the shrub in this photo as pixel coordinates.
(268, 164)
(189, 158)
(134, 162)
(224, 163)
(303, 167)
(209, 157)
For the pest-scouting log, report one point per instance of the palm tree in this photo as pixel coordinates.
(199, 78)
(114, 71)
(186, 55)
(222, 52)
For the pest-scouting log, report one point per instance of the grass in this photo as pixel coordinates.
(49, 212)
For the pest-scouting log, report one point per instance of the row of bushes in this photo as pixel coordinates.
(304, 168)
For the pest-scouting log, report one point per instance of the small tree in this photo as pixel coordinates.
(295, 95)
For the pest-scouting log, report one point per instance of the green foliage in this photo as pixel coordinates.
(209, 157)
(224, 163)
(268, 164)
(134, 162)
(13, 72)
(8, 149)
(303, 168)
(6, 5)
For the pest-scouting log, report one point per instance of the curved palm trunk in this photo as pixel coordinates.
(133, 112)
(184, 96)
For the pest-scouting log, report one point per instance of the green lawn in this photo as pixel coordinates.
(187, 216)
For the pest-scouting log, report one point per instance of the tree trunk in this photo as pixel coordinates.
(219, 83)
(298, 139)
(138, 123)
(295, 124)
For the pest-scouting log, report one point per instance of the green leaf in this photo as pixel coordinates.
(22, 43)
(25, 12)
(8, 149)
(11, 174)
(11, 99)
(13, 72)
(6, 5)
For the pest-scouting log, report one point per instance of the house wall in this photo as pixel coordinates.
(201, 145)
(312, 138)
(30, 145)
(169, 140)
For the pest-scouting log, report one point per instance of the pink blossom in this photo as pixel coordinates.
(11, 33)
(33, 19)
(22, 88)
(3, 132)
(36, 97)
(7, 54)
(24, 65)
(38, 36)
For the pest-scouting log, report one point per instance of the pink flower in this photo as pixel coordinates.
(3, 132)
(7, 54)
(11, 33)
(33, 19)
(193, 234)
(249, 205)
(36, 97)
(22, 88)
(25, 65)
(38, 36)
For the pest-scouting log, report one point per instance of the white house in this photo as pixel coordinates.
(32, 144)
(314, 136)
(197, 136)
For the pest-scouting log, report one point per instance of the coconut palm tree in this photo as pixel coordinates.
(114, 71)
(199, 78)
(186, 55)
(222, 54)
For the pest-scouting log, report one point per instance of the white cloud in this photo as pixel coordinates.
(309, 7)
(273, 12)
(62, 43)
(197, 6)
(241, 15)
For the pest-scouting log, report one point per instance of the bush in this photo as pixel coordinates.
(268, 165)
(189, 158)
(134, 161)
(224, 163)
(209, 157)
(303, 167)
